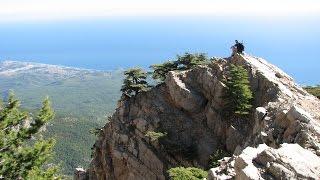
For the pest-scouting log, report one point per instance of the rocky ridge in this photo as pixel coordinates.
(187, 107)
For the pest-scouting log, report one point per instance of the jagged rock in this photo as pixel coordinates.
(280, 172)
(224, 171)
(140, 124)
(278, 75)
(290, 161)
(182, 95)
(296, 113)
(281, 119)
(244, 166)
(188, 108)
(260, 114)
(80, 174)
(301, 162)
(234, 138)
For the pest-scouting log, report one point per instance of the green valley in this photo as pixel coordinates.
(82, 99)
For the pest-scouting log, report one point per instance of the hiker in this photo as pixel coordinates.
(240, 47)
(237, 48)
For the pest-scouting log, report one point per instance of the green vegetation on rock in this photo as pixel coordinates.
(190, 173)
(238, 95)
(161, 70)
(134, 82)
(314, 90)
(23, 153)
(155, 135)
(216, 156)
(81, 102)
(184, 62)
(188, 60)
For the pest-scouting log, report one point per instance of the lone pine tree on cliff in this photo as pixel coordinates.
(134, 82)
(22, 157)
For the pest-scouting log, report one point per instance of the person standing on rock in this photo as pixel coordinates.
(237, 48)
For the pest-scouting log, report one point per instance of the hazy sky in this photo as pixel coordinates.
(106, 34)
(35, 10)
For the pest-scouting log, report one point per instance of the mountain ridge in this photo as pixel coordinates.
(187, 107)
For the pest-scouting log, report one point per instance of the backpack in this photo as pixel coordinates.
(240, 47)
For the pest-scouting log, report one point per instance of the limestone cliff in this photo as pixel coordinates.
(187, 107)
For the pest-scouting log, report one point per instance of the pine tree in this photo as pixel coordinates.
(188, 61)
(22, 157)
(238, 93)
(184, 62)
(161, 70)
(134, 82)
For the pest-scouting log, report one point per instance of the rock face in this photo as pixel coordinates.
(290, 161)
(187, 108)
(80, 174)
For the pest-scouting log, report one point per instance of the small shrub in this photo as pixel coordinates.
(155, 135)
(190, 173)
(95, 131)
(217, 155)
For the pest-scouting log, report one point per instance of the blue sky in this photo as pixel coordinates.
(103, 34)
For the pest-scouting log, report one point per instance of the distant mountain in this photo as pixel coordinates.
(82, 98)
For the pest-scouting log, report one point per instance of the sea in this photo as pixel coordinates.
(124, 42)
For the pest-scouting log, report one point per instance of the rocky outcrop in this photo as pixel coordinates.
(80, 174)
(290, 161)
(187, 108)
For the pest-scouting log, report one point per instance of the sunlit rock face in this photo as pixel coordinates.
(289, 161)
(187, 107)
